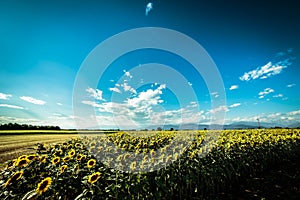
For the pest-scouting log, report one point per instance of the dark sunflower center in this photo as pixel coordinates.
(94, 177)
(16, 176)
(22, 162)
(91, 162)
(43, 185)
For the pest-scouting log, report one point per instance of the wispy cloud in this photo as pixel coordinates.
(60, 104)
(234, 87)
(291, 85)
(33, 100)
(95, 93)
(5, 96)
(265, 71)
(11, 106)
(266, 91)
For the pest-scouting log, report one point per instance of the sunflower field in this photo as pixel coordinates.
(141, 165)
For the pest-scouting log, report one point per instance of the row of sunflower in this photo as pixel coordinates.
(165, 165)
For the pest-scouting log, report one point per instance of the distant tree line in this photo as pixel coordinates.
(15, 126)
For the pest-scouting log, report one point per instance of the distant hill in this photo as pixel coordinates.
(236, 125)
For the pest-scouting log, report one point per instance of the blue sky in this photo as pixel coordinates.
(254, 44)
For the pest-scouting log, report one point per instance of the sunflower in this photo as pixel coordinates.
(43, 158)
(142, 165)
(100, 149)
(126, 156)
(94, 177)
(11, 163)
(91, 163)
(22, 162)
(108, 149)
(169, 158)
(32, 157)
(14, 178)
(78, 145)
(55, 160)
(23, 156)
(67, 158)
(93, 144)
(63, 168)
(71, 152)
(176, 155)
(70, 146)
(58, 152)
(133, 165)
(44, 185)
(146, 158)
(79, 157)
(119, 158)
(92, 149)
(152, 152)
(83, 157)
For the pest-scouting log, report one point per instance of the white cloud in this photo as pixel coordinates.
(234, 105)
(7, 119)
(223, 108)
(11, 106)
(139, 109)
(214, 94)
(233, 87)
(266, 91)
(127, 74)
(33, 100)
(219, 109)
(265, 71)
(190, 83)
(95, 93)
(115, 89)
(5, 96)
(128, 88)
(147, 98)
(63, 121)
(60, 104)
(296, 112)
(149, 7)
(278, 95)
(291, 85)
(91, 103)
